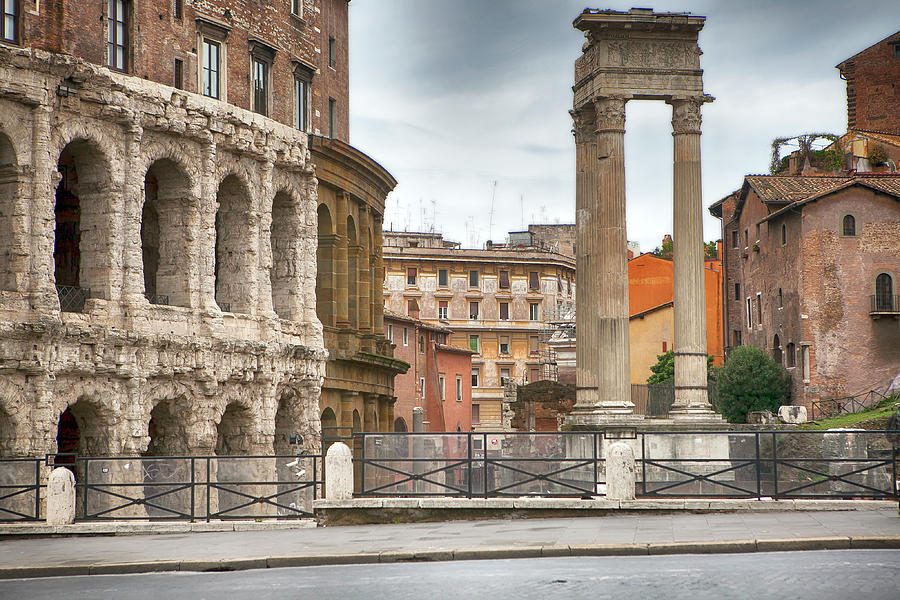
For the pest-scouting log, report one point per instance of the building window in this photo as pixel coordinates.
(473, 343)
(780, 298)
(896, 50)
(504, 344)
(411, 273)
(664, 347)
(459, 388)
(736, 337)
(302, 80)
(443, 278)
(504, 311)
(848, 225)
(734, 239)
(746, 238)
(885, 300)
(476, 414)
(421, 343)
(474, 378)
(332, 118)
(504, 375)
(534, 282)
(783, 234)
(533, 345)
(759, 308)
(473, 279)
(116, 34)
(776, 349)
(422, 386)
(749, 313)
(473, 310)
(757, 232)
(412, 307)
(178, 74)
(737, 291)
(178, 9)
(212, 54)
(504, 280)
(297, 8)
(791, 355)
(441, 383)
(332, 52)
(442, 309)
(391, 332)
(9, 27)
(534, 311)
(534, 374)
(405, 337)
(260, 86)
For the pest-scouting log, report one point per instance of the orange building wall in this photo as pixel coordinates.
(651, 283)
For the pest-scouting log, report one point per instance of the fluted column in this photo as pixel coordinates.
(378, 271)
(691, 399)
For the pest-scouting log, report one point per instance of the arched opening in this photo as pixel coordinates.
(352, 274)
(791, 355)
(284, 239)
(325, 292)
(884, 294)
(375, 286)
(400, 425)
(329, 429)
(234, 430)
(234, 255)
(357, 451)
(82, 429)
(164, 246)
(80, 245)
(7, 435)
(9, 173)
(776, 349)
(848, 225)
(166, 429)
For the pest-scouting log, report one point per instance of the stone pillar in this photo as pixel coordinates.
(342, 312)
(604, 384)
(378, 272)
(364, 278)
(42, 268)
(691, 400)
(370, 414)
(348, 400)
(385, 421)
(209, 208)
(133, 264)
(339, 472)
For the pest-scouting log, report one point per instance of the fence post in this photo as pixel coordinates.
(61, 497)
(339, 472)
(620, 472)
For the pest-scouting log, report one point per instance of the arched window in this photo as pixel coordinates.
(884, 300)
(783, 234)
(791, 355)
(776, 349)
(848, 225)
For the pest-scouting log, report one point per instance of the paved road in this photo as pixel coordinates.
(869, 574)
(624, 529)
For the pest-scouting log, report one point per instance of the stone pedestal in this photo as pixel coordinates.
(61, 497)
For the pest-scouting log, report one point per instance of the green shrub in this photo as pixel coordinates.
(664, 369)
(750, 380)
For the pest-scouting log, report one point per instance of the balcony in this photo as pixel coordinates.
(72, 298)
(884, 306)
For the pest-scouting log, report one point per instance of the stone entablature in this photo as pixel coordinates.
(195, 233)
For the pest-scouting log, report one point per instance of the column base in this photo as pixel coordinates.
(604, 415)
(696, 414)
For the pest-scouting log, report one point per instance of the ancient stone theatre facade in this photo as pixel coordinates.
(158, 223)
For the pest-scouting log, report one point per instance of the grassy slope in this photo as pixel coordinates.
(877, 415)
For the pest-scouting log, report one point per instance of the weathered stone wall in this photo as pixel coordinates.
(214, 176)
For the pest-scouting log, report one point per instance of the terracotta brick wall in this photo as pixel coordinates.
(873, 87)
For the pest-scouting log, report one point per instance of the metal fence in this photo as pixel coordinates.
(71, 298)
(715, 464)
(656, 400)
(168, 487)
(831, 407)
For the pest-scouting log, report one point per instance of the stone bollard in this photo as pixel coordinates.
(620, 472)
(339, 472)
(61, 497)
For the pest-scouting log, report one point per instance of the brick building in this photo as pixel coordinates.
(439, 377)
(873, 87)
(811, 267)
(159, 204)
(496, 302)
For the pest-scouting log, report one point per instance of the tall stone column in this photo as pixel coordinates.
(364, 277)
(42, 268)
(691, 400)
(604, 386)
(342, 318)
(348, 403)
(378, 272)
(133, 267)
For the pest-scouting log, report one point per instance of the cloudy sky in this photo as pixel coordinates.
(465, 100)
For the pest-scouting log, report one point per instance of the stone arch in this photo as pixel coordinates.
(14, 423)
(325, 250)
(286, 425)
(82, 211)
(234, 430)
(167, 428)
(234, 255)
(87, 427)
(352, 273)
(400, 425)
(848, 225)
(884, 299)
(9, 184)
(165, 245)
(285, 241)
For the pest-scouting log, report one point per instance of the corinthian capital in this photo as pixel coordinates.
(610, 113)
(584, 125)
(686, 113)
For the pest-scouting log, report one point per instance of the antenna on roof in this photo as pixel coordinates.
(491, 215)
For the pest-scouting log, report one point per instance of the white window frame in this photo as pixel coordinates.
(443, 310)
(422, 386)
(534, 311)
(215, 33)
(442, 382)
(114, 42)
(476, 377)
(749, 312)
(405, 337)
(459, 388)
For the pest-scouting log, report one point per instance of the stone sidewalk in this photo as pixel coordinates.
(626, 534)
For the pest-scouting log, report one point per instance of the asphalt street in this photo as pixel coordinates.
(822, 575)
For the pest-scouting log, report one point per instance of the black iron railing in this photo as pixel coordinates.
(686, 464)
(884, 304)
(157, 299)
(71, 298)
(825, 408)
(20, 489)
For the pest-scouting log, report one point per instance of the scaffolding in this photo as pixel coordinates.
(557, 332)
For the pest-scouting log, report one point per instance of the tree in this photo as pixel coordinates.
(664, 251)
(711, 249)
(664, 369)
(750, 380)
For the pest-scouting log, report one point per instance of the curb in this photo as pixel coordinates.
(485, 553)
